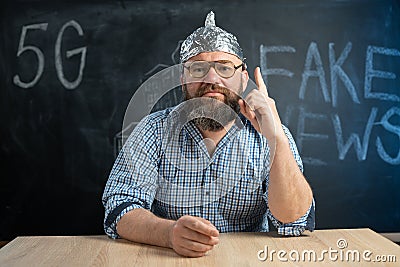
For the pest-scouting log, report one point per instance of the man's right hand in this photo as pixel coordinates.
(193, 236)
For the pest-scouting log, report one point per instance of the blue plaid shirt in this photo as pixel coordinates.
(170, 172)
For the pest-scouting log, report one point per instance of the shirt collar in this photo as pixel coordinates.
(195, 134)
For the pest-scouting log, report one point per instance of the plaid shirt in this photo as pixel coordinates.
(169, 171)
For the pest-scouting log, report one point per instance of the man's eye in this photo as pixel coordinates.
(197, 69)
(225, 68)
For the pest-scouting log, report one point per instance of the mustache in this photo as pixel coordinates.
(208, 88)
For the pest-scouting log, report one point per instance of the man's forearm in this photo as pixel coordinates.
(142, 226)
(188, 236)
(289, 194)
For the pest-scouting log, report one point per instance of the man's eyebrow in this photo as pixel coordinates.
(224, 61)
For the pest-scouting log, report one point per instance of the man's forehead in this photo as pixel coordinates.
(216, 56)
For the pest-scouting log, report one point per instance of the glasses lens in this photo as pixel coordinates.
(225, 69)
(199, 69)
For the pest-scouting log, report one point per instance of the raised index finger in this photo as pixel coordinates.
(260, 81)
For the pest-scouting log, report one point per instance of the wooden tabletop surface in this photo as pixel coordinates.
(340, 247)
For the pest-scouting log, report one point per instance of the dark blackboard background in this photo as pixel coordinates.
(57, 145)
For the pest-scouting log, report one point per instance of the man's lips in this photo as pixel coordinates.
(213, 94)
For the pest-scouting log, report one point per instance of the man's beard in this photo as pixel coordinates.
(211, 115)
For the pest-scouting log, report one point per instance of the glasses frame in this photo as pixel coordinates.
(212, 64)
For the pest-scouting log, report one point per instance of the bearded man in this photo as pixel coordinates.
(216, 163)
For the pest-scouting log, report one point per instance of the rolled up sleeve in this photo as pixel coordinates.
(133, 179)
(296, 228)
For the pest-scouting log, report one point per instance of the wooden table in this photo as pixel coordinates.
(235, 249)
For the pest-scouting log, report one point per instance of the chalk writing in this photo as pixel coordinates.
(345, 139)
(58, 61)
(153, 91)
(370, 73)
(70, 53)
(343, 143)
(274, 49)
(313, 55)
(36, 50)
(391, 128)
(302, 135)
(361, 149)
(337, 71)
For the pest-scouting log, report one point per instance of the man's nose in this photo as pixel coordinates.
(212, 76)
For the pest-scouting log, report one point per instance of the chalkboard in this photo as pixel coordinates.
(69, 70)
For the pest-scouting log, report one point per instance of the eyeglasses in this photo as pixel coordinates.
(225, 68)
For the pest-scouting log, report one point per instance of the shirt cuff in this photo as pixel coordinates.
(111, 220)
(296, 228)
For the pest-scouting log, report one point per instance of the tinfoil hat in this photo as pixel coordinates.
(210, 38)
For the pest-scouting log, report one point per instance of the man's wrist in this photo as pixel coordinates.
(170, 233)
(281, 138)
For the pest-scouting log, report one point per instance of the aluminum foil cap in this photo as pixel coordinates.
(210, 38)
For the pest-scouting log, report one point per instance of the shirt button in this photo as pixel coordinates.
(207, 193)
